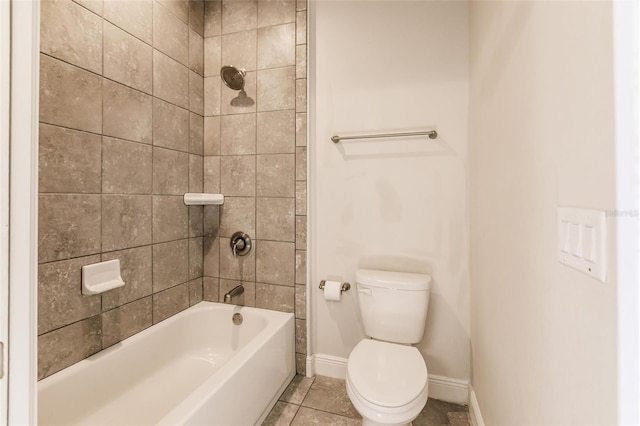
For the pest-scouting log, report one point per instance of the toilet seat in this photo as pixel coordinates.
(387, 375)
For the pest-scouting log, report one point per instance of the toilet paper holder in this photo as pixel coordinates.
(344, 287)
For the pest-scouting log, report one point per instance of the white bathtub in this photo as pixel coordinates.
(195, 368)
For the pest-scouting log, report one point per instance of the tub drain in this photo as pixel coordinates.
(237, 319)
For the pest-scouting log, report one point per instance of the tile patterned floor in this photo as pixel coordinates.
(324, 401)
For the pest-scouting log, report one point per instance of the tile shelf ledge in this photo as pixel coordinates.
(203, 199)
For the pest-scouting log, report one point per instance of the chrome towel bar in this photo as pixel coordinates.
(432, 134)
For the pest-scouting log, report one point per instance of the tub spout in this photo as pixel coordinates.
(236, 291)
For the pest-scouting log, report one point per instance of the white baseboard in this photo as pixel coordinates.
(449, 389)
(329, 366)
(475, 416)
(440, 387)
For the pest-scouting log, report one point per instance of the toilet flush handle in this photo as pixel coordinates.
(365, 290)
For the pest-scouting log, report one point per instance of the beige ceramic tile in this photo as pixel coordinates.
(170, 80)
(234, 102)
(301, 95)
(277, 46)
(239, 49)
(301, 364)
(301, 336)
(93, 5)
(442, 413)
(276, 132)
(275, 262)
(212, 175)
(239, 267)
(276, 89)
(301, 197)
(238, 214)
(170, 264)
(69, 161)
(301, 294)
(135, 266)
(248, 298)
(71, 33)
(301, 267)
(169, 302)
(238, 134)
(301, 27)
(329, 394)
(195, 291)
(211, 135)
(60, 300)
(127, 113)
(180, 8)
(239, 15)
(196, 16)
(210, 289)
(196, 134)
(297, 389)
(301, 61)
(301, 5)
(212, 96)
(170, 218)
(211, 220)
(196, 221)
(212, 56)
(238, 175)
(309, 416)
(196, 93)
(301, 163)
(275, 297)
(301, 232)
(275, 219)
(212, 18)
(301, 129)
(68, 226)
(127, 60)
(195, 258)
(196, 167)
(281, 415)
(170, 172)
(126, 221)
(275, 12)
(170, 126)
(196, 52)
(211, 257)
(275, 175)
(70, 96)
(125, 321)
(135, 17)
(126, 167)
(170, 34)
(68, 345)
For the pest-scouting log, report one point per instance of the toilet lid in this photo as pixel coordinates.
(387, 374)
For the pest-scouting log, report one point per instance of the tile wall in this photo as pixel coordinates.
(256, 155)
(121, 139)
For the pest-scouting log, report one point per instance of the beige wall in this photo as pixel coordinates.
(541, 136)
(393, 204)
(121, 139)
(256, 155)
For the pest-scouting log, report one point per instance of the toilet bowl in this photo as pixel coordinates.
(386, 382)
(387, 379)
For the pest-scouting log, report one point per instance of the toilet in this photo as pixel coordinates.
(386, 376)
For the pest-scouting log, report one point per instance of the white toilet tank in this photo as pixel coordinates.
(393, 305)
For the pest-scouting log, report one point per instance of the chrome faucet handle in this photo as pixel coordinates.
(240, 244)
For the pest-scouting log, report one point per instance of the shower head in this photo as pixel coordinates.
(233, 77)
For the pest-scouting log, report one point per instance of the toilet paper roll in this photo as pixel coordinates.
(332, 290)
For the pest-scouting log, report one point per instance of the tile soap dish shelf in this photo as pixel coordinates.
(199, 199)
(100, 277)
